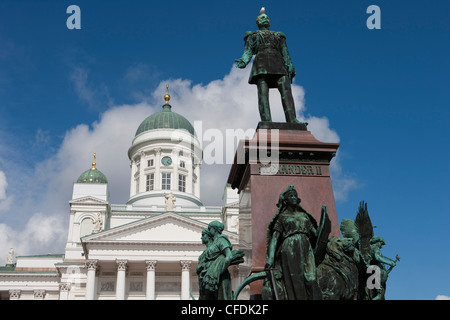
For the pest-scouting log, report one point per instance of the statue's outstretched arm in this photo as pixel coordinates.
(392, 262)
(380, 258)
(248, 52)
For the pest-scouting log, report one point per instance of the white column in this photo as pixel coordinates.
(185, 278)
(142, 176)
(151, 266)
(71, 219)
(190, 176)
(197, 183)
(132, 183)
(234, 273)
(157, 169)
(175, 164)
(121, 280)
(64, 288)
(90, 285)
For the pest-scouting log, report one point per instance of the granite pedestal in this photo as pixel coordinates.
(280, 154)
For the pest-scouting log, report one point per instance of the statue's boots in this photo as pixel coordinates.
(289, 113)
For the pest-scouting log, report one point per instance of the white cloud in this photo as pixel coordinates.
(47, 206)
(94, 97)
(442, 297)
(5, 201)
(342, 186)
(41, 234)
(137, 72)
(342, 182)
(3, 186)
(228, 103)
(109, 138)
(231, 103)
(320, 127)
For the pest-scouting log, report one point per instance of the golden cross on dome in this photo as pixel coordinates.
(93, 163)
(167, 97)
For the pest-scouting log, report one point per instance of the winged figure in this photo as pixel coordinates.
(369, 247)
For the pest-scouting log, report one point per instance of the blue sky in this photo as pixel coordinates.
(383, 94)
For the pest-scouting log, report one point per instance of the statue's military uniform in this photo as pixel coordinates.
(271, 56)
(272, 68)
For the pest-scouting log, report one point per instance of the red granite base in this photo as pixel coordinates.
(303, 161)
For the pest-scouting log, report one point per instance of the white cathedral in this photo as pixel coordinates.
(147, 248)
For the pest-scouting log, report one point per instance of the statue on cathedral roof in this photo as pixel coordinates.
(170, 201)
(98, 223)
(9, 259)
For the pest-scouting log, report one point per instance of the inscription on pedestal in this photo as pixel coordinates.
(290, 169)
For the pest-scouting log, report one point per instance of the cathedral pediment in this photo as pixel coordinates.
(88, 200)
(167, 227)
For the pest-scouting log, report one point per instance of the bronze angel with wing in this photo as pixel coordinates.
(371, 262)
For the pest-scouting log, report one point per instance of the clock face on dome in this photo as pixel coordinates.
(167, 161)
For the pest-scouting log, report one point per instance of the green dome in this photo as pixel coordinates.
(92, 175)
(166, 119)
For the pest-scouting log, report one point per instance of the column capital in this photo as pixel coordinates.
(185, 278)
(92, 264)
(185, 265)
(39, 294)
(14, 294)
(121, 264)
(151, 264)
(64, 286)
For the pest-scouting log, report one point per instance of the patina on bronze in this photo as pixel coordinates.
(272, 67)
(294, 243)
(343, 274)
(303, 263)
(368, 249)
(214, 278)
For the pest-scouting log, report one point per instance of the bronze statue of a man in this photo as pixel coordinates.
(272, 67)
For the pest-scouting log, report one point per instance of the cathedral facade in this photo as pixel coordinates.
(147, 248)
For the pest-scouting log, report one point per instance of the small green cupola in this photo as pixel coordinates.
(93, 175)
